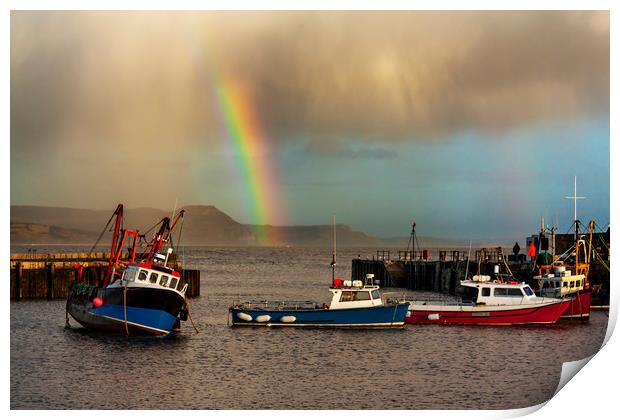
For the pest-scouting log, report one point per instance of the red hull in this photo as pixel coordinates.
(547, 314)
(579, 307)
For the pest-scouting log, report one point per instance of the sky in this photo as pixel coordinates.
(473, 124)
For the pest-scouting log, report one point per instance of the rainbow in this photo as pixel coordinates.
(251, 149)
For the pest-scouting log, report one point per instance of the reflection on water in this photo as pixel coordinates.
(421, 367)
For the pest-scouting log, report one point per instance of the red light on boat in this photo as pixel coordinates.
(97, 301)
(337, 282)
(531, 251)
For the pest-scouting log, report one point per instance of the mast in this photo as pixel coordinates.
(413, 241)
(468, 255)
(333, 264)
(575, 198)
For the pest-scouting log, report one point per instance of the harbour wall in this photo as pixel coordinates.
(443, 275)
(49, 276)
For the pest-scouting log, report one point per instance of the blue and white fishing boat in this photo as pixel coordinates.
(354, 305)
(140, 295)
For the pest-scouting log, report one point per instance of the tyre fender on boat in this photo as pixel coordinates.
(433, 317)
(288, 319)
(263, 318)
(244, 317)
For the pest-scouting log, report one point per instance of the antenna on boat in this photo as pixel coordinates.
(174, 210)
(333, 264)
(468, 254)
(575, 198)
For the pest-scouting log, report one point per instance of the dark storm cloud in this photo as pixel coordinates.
(394, 75)
(102, 93)
(404, 76)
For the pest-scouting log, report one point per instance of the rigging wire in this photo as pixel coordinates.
(102, 233)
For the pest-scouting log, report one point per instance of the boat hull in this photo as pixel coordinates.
(579, 308)
(386, 316)
(487, 315)
(139, 311)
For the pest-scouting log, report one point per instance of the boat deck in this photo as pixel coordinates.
(265, 305)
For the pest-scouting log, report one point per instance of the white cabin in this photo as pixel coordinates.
(148, 275)
(498, 293)
(561, 283)
(356, 294)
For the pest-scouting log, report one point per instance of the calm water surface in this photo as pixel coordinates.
(421, 367)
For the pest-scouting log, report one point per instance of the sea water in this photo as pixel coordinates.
(418, 367)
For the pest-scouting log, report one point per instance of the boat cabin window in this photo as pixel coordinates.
(173, 282)
(528, 291)
(545, 285)
(578, 283)
(470, 294)
(565, 284)
(572, 284)
(163, 281)
(486, 291)
(362, 295)
(142, 276)
(180, 286)
(351, 296)
(153, 278)
(376, 294)
(506, 292)
(129, 275)
(346, 297)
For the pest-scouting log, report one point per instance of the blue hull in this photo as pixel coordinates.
(151, 319)
(147, 311)
(387, 316)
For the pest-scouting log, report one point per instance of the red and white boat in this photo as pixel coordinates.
(569, 280)
(490, 303)
(563, 284)
(567, 276)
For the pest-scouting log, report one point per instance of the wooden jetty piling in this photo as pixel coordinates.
(49, 276)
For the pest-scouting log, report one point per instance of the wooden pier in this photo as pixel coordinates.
(49, 276)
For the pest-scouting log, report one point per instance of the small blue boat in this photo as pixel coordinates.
(354, 305)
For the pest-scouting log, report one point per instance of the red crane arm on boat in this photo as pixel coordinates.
(179, 216)
(162, 235)
(117, 226)
(115, 259)
(118, 240)
(158, 239)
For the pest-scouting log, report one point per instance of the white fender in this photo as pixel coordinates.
(288, 319)
(433, 317)
(244, 317)
(263, 318)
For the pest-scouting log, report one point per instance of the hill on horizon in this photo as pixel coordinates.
(202, 225)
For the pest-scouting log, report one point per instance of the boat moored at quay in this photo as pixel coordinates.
(567, 275)
(354, 304)
(562, 283)
(487, 302)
